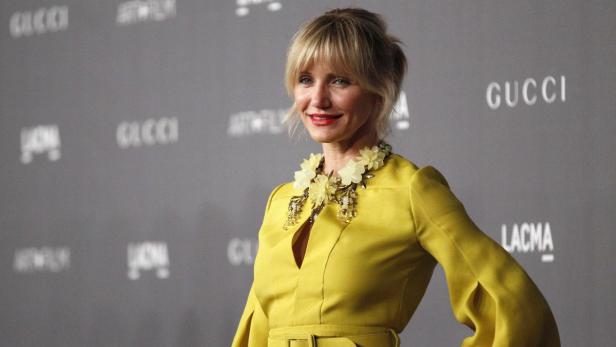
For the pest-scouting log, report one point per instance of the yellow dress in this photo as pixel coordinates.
(360, 283)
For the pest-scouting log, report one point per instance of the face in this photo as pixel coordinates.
(333, 107)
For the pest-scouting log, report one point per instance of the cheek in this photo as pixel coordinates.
(356, 103)
(367, 107)
(301, 100)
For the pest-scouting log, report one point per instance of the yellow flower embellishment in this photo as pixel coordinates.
(308, 170)
(352, 172)
(303, 178)
(322, 190)
(312, 163)
(372, 158)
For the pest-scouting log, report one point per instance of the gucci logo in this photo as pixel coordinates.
(39, 21)
(148, 133)
(548, 90)
(241, 251)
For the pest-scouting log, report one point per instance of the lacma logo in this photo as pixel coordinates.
(529, 238)
(400, 114)
(136, 11)
(44, 259)
(241, 251)
(148, 133)
(41, 21)
(40, 139)
(529, 92)
(256, 122)
(243, 6)
(147, 256)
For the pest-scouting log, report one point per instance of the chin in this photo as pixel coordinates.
(325, 136)
(321, 139)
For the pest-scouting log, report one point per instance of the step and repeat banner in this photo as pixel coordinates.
(139, 141)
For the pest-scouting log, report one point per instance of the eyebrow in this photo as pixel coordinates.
(329, 75)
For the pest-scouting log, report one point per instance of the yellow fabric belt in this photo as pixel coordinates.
(332, 336)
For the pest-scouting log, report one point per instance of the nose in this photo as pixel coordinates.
(320, 97)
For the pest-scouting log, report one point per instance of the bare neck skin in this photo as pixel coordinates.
(337, 154)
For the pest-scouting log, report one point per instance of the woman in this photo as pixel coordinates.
(346, 251)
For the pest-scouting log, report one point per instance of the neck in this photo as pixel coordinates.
(337, 154)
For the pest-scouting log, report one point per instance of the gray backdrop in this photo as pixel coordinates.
(139, 141)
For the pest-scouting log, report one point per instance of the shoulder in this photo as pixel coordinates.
(410, 174)
(282, 190)
(426, 185)
(396, 173)
(402, 172)
(430, 191)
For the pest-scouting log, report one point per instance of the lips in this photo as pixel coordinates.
(320, 119)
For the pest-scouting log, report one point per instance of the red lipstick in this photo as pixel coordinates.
(321, 119)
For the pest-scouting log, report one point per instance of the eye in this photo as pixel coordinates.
(304, 79)
(341, 81)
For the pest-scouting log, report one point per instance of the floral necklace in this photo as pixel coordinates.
(321, 188)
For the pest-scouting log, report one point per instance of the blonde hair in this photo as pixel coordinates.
(354, 42)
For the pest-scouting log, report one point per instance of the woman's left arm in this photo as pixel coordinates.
(252, 330)
(253, 327)
(489, 291)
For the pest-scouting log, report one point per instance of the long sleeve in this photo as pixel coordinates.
(253, 329)
(489, 291)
